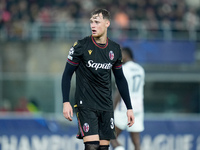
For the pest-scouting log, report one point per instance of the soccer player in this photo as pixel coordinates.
(135, 76)
(93, 58)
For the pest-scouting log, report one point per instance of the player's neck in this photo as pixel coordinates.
(101, 40)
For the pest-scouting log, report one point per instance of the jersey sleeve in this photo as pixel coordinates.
(75, 54)
(118, 63)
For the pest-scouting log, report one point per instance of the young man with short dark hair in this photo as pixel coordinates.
(93, 58)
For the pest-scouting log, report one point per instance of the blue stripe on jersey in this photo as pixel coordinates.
(118, 67)
(72, 63)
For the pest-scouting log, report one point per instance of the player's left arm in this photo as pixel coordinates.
(122, 86)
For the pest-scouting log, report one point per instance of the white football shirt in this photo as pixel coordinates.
(135, 76)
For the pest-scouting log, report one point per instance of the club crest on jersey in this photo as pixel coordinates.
(90, 52)
(86, 127)
(111, 55)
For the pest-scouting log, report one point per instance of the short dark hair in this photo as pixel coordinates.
(105, 13)
(128, 51)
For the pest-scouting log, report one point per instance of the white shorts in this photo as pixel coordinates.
(121, 121)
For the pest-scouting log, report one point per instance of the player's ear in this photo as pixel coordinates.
(107, 23)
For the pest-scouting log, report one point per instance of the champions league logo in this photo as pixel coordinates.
(86, 127)
(71, 51)
(111, 55)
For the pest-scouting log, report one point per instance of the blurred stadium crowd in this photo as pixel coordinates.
(13, 13)
(44, 57)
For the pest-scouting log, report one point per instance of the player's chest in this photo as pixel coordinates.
(98, 55)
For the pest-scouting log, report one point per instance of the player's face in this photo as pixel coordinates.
(99, 25)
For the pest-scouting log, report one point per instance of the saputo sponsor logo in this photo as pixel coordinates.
(92, 64)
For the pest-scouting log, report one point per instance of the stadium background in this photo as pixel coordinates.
(35, 37)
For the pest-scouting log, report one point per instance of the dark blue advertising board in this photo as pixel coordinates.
(162, 52)
(44, 134)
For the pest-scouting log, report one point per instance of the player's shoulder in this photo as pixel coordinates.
(113, 43)
(85, 39)
(136, 64)
(139, 67)
(81, 42)
(132, 64)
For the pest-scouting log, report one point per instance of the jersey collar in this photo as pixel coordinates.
(93, 40)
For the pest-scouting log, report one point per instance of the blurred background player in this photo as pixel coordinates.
(135, 76)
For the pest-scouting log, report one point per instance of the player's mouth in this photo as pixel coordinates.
(94, 31)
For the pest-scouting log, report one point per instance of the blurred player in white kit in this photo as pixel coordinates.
(135, 77)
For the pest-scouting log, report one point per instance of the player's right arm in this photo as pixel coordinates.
(73, 60)
(66, 83)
